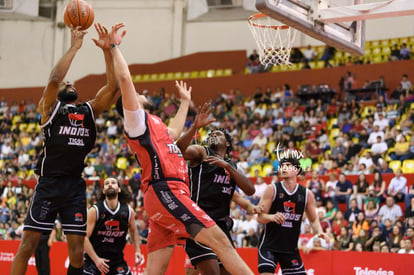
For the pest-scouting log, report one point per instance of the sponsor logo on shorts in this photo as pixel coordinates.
(78, 217)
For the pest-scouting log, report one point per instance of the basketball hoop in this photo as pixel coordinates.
(274, 41)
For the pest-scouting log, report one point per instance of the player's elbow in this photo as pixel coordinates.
(249, 190)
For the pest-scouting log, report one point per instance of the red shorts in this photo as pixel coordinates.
(173, 216)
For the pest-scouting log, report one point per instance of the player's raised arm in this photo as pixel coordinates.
(59, 71)
(176, 125)
(129, 98)
(106, 94)
(195, 152)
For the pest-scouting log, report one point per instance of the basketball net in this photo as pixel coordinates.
(274, 41)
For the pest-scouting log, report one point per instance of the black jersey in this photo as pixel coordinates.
(70, 134)
(284, 237)
(109, 235)
(212, 188)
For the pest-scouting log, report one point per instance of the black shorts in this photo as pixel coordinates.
(198, 252)
(119, 267)
(290, 263)
(60, 195)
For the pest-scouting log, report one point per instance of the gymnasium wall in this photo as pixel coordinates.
(205, 89)
(157, 30)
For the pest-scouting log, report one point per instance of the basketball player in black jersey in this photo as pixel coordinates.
(213, 180)
(284, 204)
(70, 134)
(109, 221)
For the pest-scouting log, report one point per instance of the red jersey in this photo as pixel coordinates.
(159, 156)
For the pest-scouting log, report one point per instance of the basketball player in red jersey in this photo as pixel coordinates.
(173, 216)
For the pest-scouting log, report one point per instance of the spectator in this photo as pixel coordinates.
(398, 187)
(351, 213)
(374, 134)
(376, 237)
(343, 191)
(360, 223)
(408, 246)
(405, 51)
(390, 211)
(401, 149)
(305, 236)
(395, 238)
(309, 54)
(409, 210)
(343, 240)
(384, 168)
(360, 190)
(316, 244)
(359, 241)
(331, 211)
(405, 84)
(315, 184)
(371, 206)
(395, 53)
(368, 162)
(338, 223)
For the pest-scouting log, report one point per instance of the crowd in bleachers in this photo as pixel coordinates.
(336, 138)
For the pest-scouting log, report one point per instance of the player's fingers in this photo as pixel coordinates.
(105, 30)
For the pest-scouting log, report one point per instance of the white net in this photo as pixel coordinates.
(274, 41)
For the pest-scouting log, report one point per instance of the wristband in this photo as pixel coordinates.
(113, 45)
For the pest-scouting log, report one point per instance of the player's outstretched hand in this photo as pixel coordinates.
(203, 116)
(103, 40)
(183, 90)
(114, 36)
(76, 37)
(102, 265)
(139, 259)
(279, 218)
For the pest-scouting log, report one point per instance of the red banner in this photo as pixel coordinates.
(316, 263)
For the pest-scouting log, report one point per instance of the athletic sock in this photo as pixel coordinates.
(75, 271)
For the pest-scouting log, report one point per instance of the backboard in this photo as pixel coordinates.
(303, 15)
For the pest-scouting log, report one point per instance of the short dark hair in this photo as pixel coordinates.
(229, 139)
(295, 162)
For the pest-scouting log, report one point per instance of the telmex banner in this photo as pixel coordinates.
(316, 263)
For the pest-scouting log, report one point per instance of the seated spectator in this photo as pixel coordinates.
(331, 211)
(408, 246)
(378, 149)
(401, 149)
(374, 134)
(395, 53)
(315, 184)
(376, 237)
(405, 51)
(305, 236)
(395, 238)
(409, 210)
(309, 54)
(371, 206)
(360, 223)
(338, 223)
(390, 211)
(343, 191)
(244, 228)
(368, 162)
(360, 190)
(338, 148)
(398, 187)
(316, 244)
(358, 241)
(343, 240)
(251, 239)
(351, 213)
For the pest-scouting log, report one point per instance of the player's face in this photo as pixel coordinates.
(216, 138)
(287, 170)
(111, 187)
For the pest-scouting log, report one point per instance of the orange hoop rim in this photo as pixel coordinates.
(261, 15)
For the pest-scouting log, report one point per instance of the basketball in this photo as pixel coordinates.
(78, 13)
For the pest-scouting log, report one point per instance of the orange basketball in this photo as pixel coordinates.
(78, 13)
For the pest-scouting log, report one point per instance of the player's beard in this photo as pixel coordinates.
(111, 193)
(67, 97)
(213, 142)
